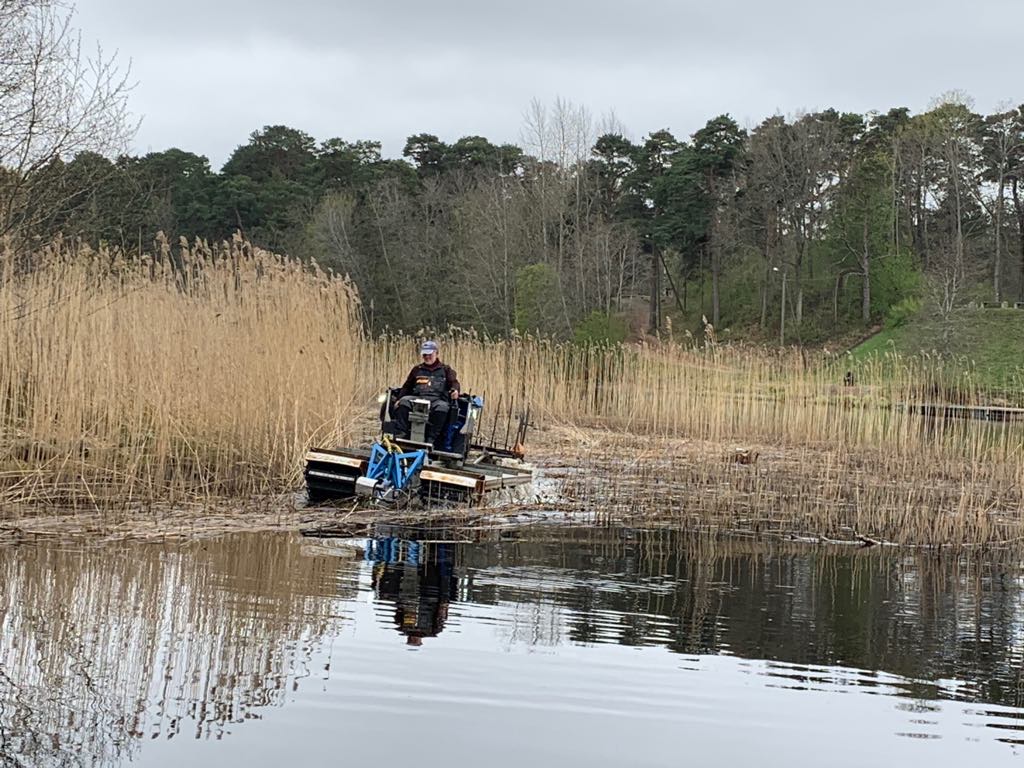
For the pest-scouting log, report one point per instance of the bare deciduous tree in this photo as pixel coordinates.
(952, 130)
(55, 101)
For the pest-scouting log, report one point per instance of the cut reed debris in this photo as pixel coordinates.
(928, 498)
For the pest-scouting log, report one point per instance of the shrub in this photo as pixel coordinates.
(901, 312)
(600, 328)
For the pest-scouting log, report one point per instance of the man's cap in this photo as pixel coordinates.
(427, 347)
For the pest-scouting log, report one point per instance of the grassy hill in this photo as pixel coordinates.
(992, 340)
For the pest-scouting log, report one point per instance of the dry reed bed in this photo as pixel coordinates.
(203, 372)
(199, 372)
(928, 498)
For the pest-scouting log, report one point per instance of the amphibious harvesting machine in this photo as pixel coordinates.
(449, 466)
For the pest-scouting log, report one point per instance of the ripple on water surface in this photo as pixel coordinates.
(575, 647)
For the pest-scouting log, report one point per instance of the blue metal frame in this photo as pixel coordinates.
(390, 549)
(394, 468)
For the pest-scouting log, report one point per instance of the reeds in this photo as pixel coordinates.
(199, 372)
(820, 492)
(205, 371)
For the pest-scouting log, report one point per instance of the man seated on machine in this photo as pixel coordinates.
(433, 381)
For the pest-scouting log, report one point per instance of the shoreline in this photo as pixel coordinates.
(600, 477)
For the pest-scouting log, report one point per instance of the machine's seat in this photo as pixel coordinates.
(452, 438)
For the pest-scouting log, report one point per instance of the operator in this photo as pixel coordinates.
(430, 380)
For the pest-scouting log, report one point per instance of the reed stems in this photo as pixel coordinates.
(205, 371)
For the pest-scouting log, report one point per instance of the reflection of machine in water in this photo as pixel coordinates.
(418, 576)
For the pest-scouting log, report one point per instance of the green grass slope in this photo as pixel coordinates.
(990, 339)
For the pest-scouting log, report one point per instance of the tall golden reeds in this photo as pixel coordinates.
(202, 371)
(207, 370)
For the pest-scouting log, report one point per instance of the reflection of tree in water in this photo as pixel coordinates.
(419, 578)
(104, 646)
(917, 615)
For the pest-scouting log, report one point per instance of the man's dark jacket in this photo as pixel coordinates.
(432, 381)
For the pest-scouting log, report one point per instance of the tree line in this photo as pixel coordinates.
(803, 227)
(578, 231)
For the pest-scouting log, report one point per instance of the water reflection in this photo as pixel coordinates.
(926, 618)
(105, 646)
(108, 650)
(418, 578)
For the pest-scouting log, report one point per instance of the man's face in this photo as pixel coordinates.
(429, 357)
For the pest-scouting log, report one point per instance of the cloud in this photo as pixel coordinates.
(212, 72)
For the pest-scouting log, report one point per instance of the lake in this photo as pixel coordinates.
(547, 645)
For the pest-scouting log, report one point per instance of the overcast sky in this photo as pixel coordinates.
(210, 72)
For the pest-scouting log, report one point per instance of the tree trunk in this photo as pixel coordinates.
(959, 221)
(558, 274)
(921, 225)
(716, 274)
(700, 272)
(895, 198)
(835, 297)
(671, 282)
(506, 272)
(655, 316)
(865, 264)
(865, 307)
(1019, 210)
(798, 274)
(764, 296)
(997, 260)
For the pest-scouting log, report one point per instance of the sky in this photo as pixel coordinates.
(208, 73)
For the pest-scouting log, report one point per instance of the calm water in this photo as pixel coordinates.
(559, 646)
